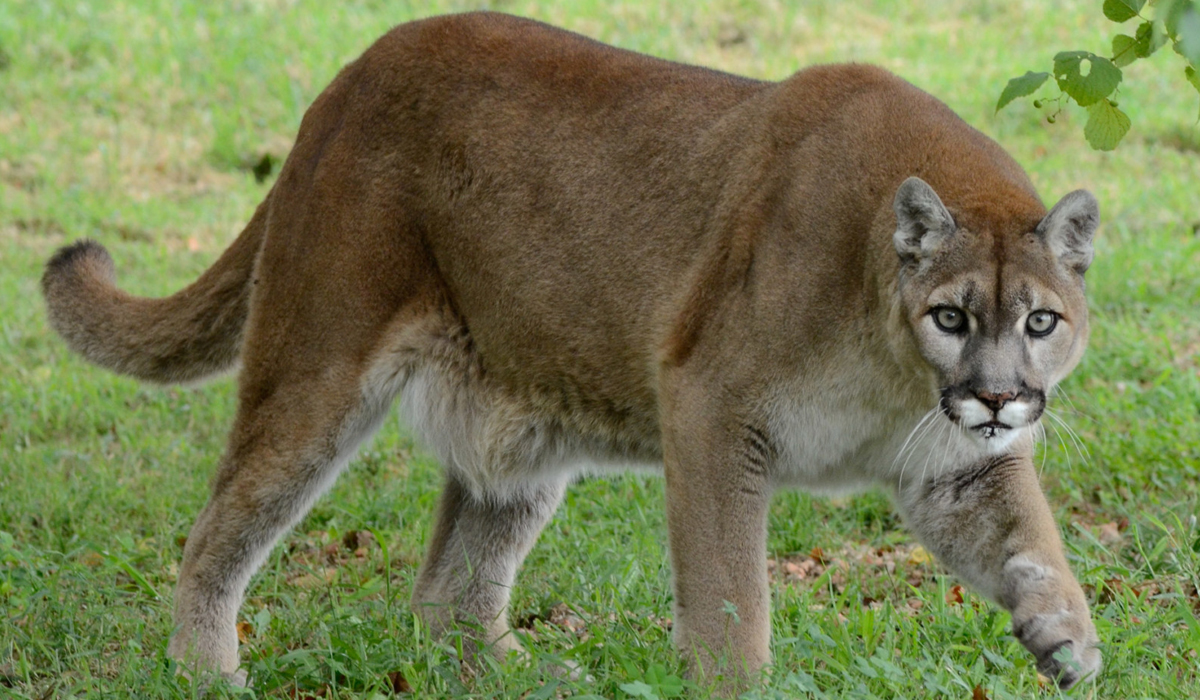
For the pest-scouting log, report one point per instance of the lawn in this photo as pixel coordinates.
(142, 125)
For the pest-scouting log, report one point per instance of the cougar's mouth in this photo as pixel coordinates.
(991, 429)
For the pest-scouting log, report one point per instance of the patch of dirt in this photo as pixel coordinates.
(915, 562)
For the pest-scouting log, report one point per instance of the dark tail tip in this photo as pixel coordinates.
(66, 261)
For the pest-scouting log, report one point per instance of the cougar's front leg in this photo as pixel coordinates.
(990, 523)
(718, 492)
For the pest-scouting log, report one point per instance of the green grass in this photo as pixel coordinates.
(136, 123)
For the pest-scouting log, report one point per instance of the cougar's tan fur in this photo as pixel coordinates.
(562, 256)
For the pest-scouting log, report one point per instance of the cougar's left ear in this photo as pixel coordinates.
(922, 222)
(1069, 227)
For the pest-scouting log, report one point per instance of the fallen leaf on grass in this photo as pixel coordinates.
(955, 596)
(297, 694)
(358, 539)
(562, 616)
(919, 555)
(399, 683)
(978, 693)
(1109, 533)
(91, 559)
(324, 578)
(1112, 589)
(245, 630)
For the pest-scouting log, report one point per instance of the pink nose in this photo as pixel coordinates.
(995, 401)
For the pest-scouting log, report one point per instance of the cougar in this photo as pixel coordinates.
(566, 258)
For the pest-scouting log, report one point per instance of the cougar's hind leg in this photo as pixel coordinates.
(283, 453)
(336, 277)
(476, 547)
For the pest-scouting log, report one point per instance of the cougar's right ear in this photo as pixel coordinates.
(922, 222)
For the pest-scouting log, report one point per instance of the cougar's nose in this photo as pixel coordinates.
(995, 401)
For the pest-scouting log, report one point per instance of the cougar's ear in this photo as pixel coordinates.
(922, 221)
(1069, 227)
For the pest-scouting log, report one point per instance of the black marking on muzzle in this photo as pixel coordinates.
(956, 393)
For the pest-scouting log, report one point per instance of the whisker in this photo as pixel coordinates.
(1058, 392)
(1058, 435)
(921, 439)
(946, 450)
(1085, 452)
(1045, 448)
(925, 468)
(909, 440)
(911, 433)
(1080, 447)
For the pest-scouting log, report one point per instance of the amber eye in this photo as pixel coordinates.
(1041, 323)
(949, 319)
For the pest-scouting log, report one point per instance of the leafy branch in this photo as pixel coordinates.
(1093, 81)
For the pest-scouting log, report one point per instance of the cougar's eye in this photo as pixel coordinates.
(1041, 323)
(950, 319)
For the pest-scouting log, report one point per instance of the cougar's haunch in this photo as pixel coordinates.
(563, 256)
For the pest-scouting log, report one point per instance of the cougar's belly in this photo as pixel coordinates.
(501, 436)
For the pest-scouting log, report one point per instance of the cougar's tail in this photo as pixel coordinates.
(188, 336)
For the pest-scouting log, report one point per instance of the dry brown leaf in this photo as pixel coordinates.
(955, 595)
(297, 694)
(978, 693)
(818, 555)
(1109, 533)
(399, 683)
(563, 617)
(358, 539)
(245, 630)
(91, 559)
(314, 580)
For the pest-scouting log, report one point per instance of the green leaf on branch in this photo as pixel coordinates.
(1020, 87)
(1122, 10)
(1123, 50)
(1147, 40)
(1188, 44)
(1086, 89)
(1192, 77)
(1106, 126)
(1171, 12)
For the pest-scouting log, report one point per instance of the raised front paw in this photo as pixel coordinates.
(1063, 642)
(1051, 618)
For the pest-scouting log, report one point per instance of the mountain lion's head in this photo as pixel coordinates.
(1000, 315)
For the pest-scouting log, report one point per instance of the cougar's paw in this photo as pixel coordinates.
(203, 681)
(1065, 647)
